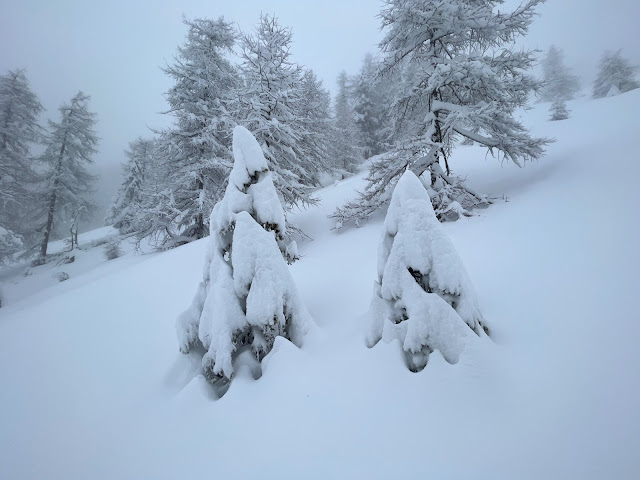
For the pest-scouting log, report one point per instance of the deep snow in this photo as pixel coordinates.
(93, 385)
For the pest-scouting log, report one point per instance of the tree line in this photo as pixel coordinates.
(45, 194)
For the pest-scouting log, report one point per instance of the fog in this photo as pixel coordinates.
(114, 50)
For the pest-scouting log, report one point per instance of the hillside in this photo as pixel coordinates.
(93, 385)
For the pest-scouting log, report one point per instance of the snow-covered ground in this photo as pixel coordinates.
(93, 385)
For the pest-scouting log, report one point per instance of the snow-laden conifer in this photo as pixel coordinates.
(459, 79)
(127, 202)
(615, 75)
(371, 100)
(10, 244)
(559, 110)
(67, 193)
(314, 112)
(247, 297)
(194, 154)
(271, 97)
(559, 82)
(19, 130)
(348, 153)
(423, 296)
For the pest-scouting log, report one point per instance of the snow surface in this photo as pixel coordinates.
(93, 385)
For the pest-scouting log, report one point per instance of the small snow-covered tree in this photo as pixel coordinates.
(559, 110)
(559, 82)
(272, 98)
(128, 199)
(247, 297)
(423, 296)
(348, 153)
(460, 78)
(19, 130)
(615, 75)
(70, 146)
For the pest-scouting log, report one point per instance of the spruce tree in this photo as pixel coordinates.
(423, 296)
(460, 79)
(68, 186)
(247, 297)
(558, 110)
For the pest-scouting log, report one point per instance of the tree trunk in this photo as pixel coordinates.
(52, 201)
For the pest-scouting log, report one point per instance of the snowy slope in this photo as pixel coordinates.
(93, 385)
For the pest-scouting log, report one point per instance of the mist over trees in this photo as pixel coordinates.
(19, 131)
(459, 78)
(559, 82)
(615, 75)
(433, 84)
(65, 196)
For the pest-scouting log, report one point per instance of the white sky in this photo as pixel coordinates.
(113, 49)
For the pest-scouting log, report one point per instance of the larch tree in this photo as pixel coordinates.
(314, 111)
(195, 151)
(615, 75)
(137, 172)
(461, 79)
(247, 297)
(348, 153)
(68, 186)
(370, 102)
(559, 82)
(272, 98)
(19, 131)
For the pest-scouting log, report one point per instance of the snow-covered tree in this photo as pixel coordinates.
(559, 82)
(272, 98)
(348, 153)
(136, 171)
(195, 152)
(314, 111)
(559, 110)
(371, 100)
(247, 297)
(423, 296)
(10, 244)
(615, 75)
(460, 79)
(19, 130)
(70, 145)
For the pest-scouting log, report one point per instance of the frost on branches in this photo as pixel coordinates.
(271, 102)
(10, 243)
(247, 297)
(559, 82)
(423, 296)
(459, 80)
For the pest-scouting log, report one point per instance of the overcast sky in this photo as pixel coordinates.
(113, 49)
